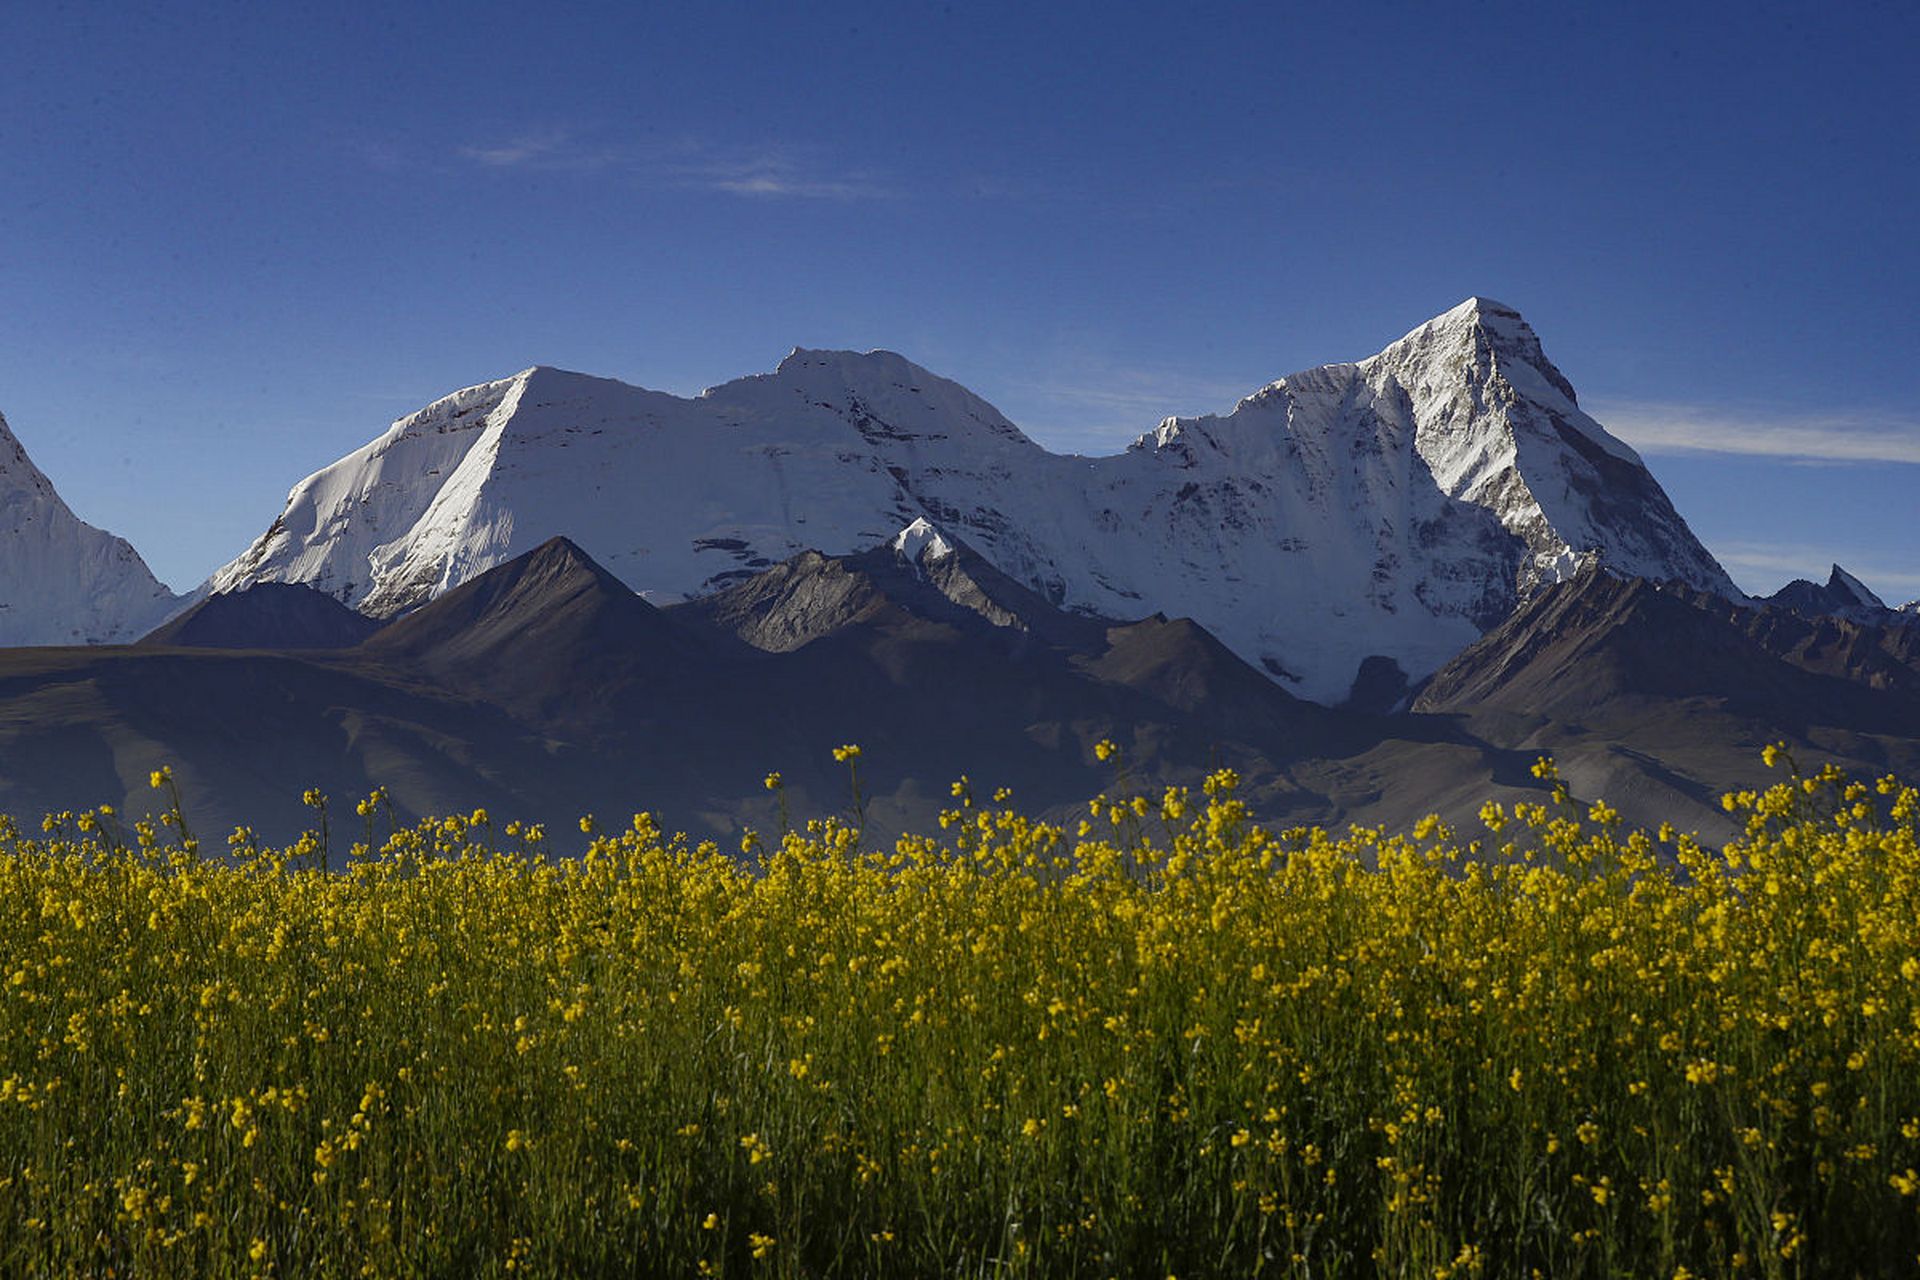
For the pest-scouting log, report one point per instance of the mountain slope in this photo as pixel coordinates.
(62, 581)
(267, 615)
(1399, 506)
(545, 688)
(1581, 650)
(919, 571)
(548, 635)
(1659, 698)
(246, 732)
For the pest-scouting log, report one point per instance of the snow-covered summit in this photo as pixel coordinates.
(62, 581)
(920, 542)
(1501, 427)
(1396, 506)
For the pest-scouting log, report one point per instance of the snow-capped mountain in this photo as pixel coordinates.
(1394, 507)
(1500, 427)
(62, 581)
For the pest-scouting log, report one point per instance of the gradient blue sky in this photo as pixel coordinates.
(236, 240)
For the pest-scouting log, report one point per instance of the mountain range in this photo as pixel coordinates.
(1390, 509)
(1374, 589)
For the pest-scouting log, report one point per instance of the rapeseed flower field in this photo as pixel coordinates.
(1159, 1042)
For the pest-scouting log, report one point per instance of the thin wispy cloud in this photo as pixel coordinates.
(770, 173)
(1102, 411)
(517, 153)
(1765, 566)
(1669, 428)
(762, 173)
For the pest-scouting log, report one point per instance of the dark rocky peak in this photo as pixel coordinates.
(546, 607)
(266, 615)
(1843, 596)
(919, 576)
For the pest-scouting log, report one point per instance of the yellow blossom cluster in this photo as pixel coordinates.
(1165, 1040)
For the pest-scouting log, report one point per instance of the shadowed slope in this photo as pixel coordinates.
(550, 634)
(246, 732)
(1659, 698)
(266, 615)
(1581, 650)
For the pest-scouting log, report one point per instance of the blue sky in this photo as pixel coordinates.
(236, 240)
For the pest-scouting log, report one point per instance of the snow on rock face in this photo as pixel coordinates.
(1500, 427)
(920, 542)
(62, 581)
(1398, 506)
(675, 496)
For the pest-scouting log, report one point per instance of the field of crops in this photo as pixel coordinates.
(1163, 1043)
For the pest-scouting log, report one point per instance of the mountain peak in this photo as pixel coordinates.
(62, 581)
(1842, 583)
(1477, 307)
(1501, 427)
(265, 615)
(920, 542)
(528, 631)
(877, 362)
(1482, 325)
(1843, 596)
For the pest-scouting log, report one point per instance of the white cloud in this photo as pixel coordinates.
(754, 173)
(507, 155)
(551, 150)
(770, 173)
(1668, 428)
